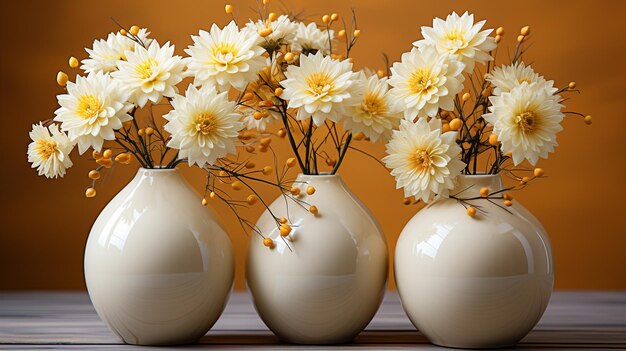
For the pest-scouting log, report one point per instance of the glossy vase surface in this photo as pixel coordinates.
(324, 282)
(481, 282)
(158, 265)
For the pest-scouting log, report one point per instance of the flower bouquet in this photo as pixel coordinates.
(473, 260)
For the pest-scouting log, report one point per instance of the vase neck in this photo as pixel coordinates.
(470, 185)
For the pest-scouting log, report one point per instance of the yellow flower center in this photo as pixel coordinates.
(373, 104)
(224, 49)
(421, 159)
(144, 70)
(319, 82)
(527, 121)
(456, 35)
(205, 123)
(522, 80)
(46, 148)
(420, 80)
(88, 106)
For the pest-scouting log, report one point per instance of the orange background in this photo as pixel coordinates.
(45, 222)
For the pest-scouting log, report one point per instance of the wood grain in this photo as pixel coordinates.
(67, 321)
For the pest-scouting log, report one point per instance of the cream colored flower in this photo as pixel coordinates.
(309, 39)
(50, 150)
(93, 108)
(526, 121)
(104, 54)
(225, 57)
(374, 115)
(461, 37)
(204, 125)
(320, 87)
(425, 81)
(505, 78)
(150, 73)
(424, 161)
(283, 31)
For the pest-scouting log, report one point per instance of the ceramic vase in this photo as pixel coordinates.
(474, 282)
(324, 282)
(158, 265)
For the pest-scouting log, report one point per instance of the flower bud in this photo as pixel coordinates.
(272, 16)
(466, 97)
(572, 85)
(326, 19)
(291, 162)
(94, 174)
(500, 31)
(289, 57)
(358, 136)
(456, 124)
(252, 199)
(204, 201)
(525, 31)
(236, 185)
(90, 192)
(313, 209)
(267, 170)
(265, 32)
(107, 153)
(538, 172)
(471, 211)
(73, 62)
(497, 39)
(267, 241)
(279, 91)
(149, 131)
(493, 139)
(587, 119)
(134, 30)
(123, 32)
(341, 34)
(520, 38)
(310, 190)
(62, 78)
(334, 17)
(356, 33)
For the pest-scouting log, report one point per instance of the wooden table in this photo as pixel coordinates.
(66, 320)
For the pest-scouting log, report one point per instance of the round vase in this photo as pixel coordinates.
(158, 265)
(474, 282)
(324, 282)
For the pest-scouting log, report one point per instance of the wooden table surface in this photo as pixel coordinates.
(67, 321)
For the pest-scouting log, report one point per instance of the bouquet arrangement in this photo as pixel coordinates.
(509, 114)
(221, 98)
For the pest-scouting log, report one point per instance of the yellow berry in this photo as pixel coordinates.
(313, 209)
(456, 124)
(123, 158)
(62, 78)
(334, 17)
(267, 170)
(73, 62)
(587, 119)
(236, 185)
(265, 103)
(265, 141)
(284, 230)
(525, 31)
(90, 192)
(341, 34)
(262, 148)
(149, 131)
(249, 164)
(508, 196)
(466, 96)
(282, 220)
(212, 195)
(107, 153)
(493, 139)
(326, 19)
(96, 154)
(445, 127)
(272, 16)
(520, 38)
(222, 173)
(508, 203)
(265, 32)
(500, 31)
(358, 136)
(331, 161)
(265, 2)
(497, 39)
(310, 190)
(525, 180)
(406, 201)
(123, 32)
(357, 33)
(572, 85)
(93, 174)
(281, 132)
(250, 148)
(252, 199)
(105, 162)
(484, 191)
(268, 242)
(291, 162)
(289, 57)
(295, 191)
(471, 211)
(141, 132)
(204, 201)
(134, 30)
(278, 91)
(380, 73)
(257, 115)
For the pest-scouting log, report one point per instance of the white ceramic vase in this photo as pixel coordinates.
(158, 266)
(481, 282)
(327, 288)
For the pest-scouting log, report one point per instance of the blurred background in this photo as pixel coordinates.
(45, 223)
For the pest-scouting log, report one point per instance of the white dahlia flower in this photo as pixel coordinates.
(93, 108)
(50, 150)
(505, 78)
(309, 39)
(283, 31)
(104, 54)
(204, 125)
